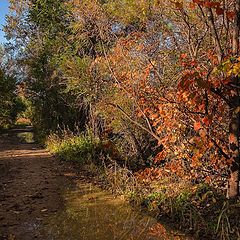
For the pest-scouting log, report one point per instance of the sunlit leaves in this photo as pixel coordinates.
(197, 126)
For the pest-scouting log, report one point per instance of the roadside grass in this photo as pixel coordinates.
(79, 149)
(196, 209)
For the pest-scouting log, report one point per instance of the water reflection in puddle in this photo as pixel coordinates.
(93, 214)
(26, 137)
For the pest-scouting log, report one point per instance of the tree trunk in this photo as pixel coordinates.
(234, 132)
(234, 127)
(236, 30)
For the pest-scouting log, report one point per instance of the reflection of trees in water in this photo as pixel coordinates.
(94, 214)
(26, 137)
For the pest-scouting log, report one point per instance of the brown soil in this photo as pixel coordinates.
(31, 187)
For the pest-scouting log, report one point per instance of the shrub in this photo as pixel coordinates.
(74, 148)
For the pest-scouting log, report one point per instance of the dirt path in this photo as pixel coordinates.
(31, 186)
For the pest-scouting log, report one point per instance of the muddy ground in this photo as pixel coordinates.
(31, 186)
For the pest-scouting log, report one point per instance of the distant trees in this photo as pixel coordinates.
(10, 104)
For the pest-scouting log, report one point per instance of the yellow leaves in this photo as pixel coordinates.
(173, 139)
(127, 11)
(231, 67)
(140, 47)
(235, 69)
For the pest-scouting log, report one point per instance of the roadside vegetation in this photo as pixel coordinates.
(198, 209)
(11, 104)
(143, 93)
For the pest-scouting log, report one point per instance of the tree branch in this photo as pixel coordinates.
(135, 122)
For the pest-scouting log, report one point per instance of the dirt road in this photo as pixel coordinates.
(31, 186)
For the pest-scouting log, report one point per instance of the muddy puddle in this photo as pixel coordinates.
(26, 137)
(93, 214)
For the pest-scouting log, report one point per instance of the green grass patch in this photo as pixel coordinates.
(74, 148)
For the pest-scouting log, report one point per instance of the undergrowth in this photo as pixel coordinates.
(80, 148)
(197, 209)
(194, 208)
(94, 156)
